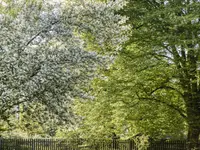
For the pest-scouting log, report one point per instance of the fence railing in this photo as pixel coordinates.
(51, 144)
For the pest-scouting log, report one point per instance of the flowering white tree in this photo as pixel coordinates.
(45, 53)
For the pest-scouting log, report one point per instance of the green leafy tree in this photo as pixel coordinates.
(169, 30)
(164, 57)
(123, 103)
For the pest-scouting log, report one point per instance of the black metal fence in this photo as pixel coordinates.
(51, 144)
(37, 144)
(168, 145)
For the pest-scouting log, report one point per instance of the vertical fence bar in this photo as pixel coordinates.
(55, 145)
(4, 144)
(58, 145)
(36, 144)
(44, 143)
(29, 144)
(15, 144)
(39, 144)
(47, 144)
(130, 145)
(50, 144)
(26, 143)
(18, 144)
(32, 144)
(1, 143)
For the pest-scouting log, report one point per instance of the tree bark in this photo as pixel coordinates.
(193, 138)
(193, 120)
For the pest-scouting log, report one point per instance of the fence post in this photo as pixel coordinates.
(130, 144)
(114, 141)
(33, 144)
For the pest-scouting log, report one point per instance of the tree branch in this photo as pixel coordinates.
(171, 106)
(167, 87)
(42, 31)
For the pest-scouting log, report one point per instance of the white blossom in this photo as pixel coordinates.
(44, 63)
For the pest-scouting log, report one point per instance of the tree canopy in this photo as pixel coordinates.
(161, 71)
(123, 102)
(45, 59)
(51, 52)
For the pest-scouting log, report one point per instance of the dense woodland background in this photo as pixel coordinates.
(91, 69)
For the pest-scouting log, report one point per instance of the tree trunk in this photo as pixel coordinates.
(193, 119)
(193, 138)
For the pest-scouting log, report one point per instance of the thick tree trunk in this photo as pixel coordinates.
(193, 120)
(193, 138)
(192, 100)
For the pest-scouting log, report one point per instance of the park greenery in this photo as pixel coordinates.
(46, 61)
(91, 69)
